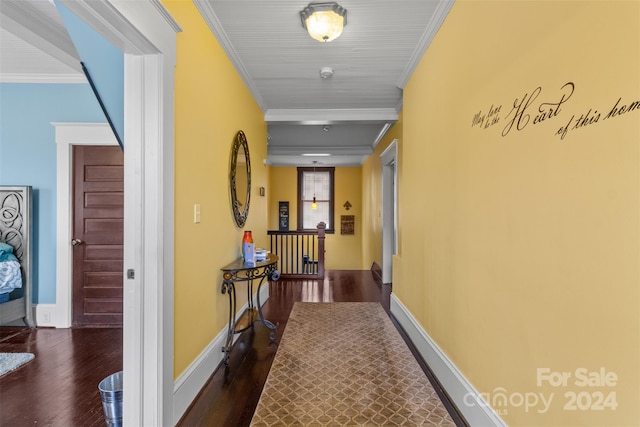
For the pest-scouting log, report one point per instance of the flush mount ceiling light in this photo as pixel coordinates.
(324, 21)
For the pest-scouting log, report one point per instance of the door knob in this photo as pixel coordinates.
(76, 242)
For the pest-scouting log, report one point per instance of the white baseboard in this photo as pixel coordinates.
(463, 394)
(45, 315)
(190, 382)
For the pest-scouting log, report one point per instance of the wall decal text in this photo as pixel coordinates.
(534, 108)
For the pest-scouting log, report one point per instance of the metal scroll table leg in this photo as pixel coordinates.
(273, 334)
(230, 289)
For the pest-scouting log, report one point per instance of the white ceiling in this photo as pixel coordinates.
(34, 44)
(345, 115)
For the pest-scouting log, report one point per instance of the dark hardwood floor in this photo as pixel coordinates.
(60, 386)
(231, 395)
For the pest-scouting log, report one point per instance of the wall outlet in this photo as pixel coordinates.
(45, 314)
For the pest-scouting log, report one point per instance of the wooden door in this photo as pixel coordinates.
(98, 235)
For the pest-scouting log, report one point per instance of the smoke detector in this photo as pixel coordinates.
(326, 72)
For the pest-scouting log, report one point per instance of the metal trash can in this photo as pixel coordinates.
(111, 392)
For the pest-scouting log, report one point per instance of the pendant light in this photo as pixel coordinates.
(314, 204)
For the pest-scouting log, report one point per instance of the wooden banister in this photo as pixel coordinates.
(301, 253)
(321, 230)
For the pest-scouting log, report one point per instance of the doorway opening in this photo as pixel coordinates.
(69, 135)
(389, 210)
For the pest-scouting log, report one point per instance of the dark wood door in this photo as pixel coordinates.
(98, 235)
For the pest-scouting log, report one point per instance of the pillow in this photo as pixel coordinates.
(10, 276)
(6, 253)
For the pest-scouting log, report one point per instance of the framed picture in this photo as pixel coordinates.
(283, 216)
(347, 224)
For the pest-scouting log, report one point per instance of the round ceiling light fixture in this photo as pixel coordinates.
(324, 21)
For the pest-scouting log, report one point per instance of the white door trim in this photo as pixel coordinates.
(68, 135)
(145, 32)
(389, 209)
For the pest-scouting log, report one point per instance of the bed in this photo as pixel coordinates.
(15, 255)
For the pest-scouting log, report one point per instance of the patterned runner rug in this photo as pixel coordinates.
(346, 364)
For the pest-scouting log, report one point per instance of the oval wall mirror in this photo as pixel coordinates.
(240, 179)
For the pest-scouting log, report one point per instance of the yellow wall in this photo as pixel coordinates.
(212, 104)
(283, 188)
(372, 188)
(343, 252)
(521, 252)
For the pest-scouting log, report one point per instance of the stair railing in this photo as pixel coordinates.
(301, 253)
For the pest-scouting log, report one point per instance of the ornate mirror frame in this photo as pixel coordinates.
(240, 168)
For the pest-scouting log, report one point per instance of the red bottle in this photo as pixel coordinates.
(248, 250)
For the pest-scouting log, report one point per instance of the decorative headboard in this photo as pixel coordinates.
(15, 230)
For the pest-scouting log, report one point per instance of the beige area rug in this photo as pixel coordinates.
(343, 364)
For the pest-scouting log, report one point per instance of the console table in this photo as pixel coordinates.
(237, 272)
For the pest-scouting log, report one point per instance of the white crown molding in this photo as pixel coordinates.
(43, 78)
(166, 15)
(383, 132)
(442, 9)
(297, 160)
(358, 150)
(216, 28)
(334, 116)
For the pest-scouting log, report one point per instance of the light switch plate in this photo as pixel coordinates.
(196, 213)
